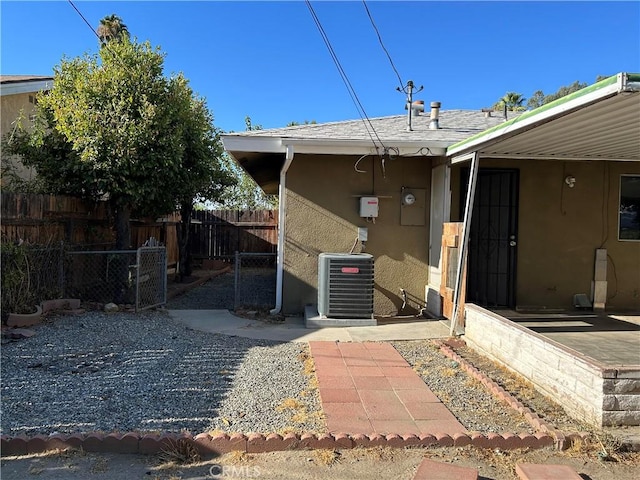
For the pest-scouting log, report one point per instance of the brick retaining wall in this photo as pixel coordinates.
(588, 390)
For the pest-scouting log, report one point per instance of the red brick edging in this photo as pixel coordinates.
(259, 443)
(562, 440)
(209, 445)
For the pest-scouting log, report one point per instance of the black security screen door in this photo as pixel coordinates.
(491, 268)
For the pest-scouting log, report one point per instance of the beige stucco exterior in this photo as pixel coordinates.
(13, 108)
(560, 229)
(323, 216)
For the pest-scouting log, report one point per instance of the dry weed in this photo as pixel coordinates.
(290, 404)
(448, 372)
(236, 457)
(180, 452)
(326, 457)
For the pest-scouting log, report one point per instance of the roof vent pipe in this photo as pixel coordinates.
(435, 116)
(418, 107)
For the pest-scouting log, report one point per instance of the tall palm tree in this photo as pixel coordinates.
(512, 101)
(112, 28)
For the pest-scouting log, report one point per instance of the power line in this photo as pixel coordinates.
(373, 24)
(345, 79)
(83, 18)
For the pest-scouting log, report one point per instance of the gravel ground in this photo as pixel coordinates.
(471, 403)
(256, 290)
(126, 372)
(215, 294)
(145, 372)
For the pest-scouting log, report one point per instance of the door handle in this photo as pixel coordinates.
(512, 243)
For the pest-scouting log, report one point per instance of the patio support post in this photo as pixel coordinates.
(282, 197)
(464, 243)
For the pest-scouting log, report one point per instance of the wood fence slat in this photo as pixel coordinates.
(41, 219)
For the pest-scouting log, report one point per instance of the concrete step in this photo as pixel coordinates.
(430, 470)
(532, 471)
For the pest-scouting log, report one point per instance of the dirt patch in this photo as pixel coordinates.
(355, 464)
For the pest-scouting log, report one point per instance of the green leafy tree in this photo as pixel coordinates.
(536, 100)
(539, 98)
(512, 101)
(202, 176)
(113, 127)
(245, 194)
(306, 122)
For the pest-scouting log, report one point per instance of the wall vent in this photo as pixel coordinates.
(345, 285)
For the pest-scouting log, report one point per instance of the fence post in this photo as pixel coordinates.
(61, 281)
(237, 280)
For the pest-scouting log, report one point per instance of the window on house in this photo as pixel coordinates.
(629, 213)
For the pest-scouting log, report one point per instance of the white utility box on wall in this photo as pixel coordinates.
(369, 207)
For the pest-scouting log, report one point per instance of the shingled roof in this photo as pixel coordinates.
(261, 152)
(455, 125)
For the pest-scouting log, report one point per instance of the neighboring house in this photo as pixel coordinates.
(552, 225)
(18, 99)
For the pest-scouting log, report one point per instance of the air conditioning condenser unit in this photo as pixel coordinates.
(345, 285)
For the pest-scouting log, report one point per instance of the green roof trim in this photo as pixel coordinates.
(567, 98)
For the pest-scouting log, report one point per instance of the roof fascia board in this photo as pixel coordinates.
(262, 144)
(520, 156)
(238, 143)
(25, 87)
(466, 157)
(605, 88)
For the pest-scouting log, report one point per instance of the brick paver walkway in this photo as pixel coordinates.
(369, 388)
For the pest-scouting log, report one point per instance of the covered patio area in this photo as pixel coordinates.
(548, 249)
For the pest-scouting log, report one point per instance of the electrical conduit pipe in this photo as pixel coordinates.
(281, 227)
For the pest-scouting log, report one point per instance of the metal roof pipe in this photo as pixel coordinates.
(281, 227)
(434, 123)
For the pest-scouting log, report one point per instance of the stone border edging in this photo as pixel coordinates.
(217, 444)
(211, 445)
(562, 440)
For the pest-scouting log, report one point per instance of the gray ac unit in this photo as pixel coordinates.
(345, 285)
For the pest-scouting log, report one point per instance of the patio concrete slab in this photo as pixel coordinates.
(294, 329)
(609, 339)
(373, 397)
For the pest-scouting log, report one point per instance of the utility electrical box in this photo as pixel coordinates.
(369, 207)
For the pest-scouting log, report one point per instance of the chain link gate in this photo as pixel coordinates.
(151, 277)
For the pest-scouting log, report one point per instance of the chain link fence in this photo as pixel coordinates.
(255, 281)
(151, 277)
(30, 274)
(33, 274)
(101, 276)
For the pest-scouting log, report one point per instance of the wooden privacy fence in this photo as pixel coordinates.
(218, 234)
(215, 234)
(43, 219)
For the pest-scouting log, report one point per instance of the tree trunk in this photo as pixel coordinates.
(123, 227)
(120, 265)
(184, 241)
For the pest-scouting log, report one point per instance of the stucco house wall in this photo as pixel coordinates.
(12, 108)
(323, 216)
(560, 228)
(17, 103)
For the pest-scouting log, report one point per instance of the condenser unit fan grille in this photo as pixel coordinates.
(345, 285)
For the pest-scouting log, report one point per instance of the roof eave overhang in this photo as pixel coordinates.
(25, 87)
(261, 144)
(621, 83)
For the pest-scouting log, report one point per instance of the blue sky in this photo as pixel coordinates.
(267, 59)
